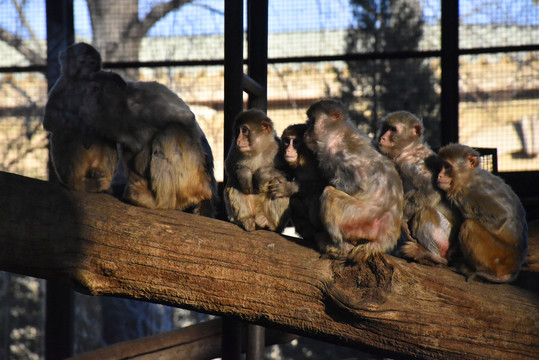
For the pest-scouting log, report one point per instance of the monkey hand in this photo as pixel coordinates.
(279, 188)
(276, 188)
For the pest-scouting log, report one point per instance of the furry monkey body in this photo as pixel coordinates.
(493, 237)
(168, 160)
(363, 204)
(82, 160)
(430, 223)
(252, 170)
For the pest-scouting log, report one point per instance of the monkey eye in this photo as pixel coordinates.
(245, 130)
(446, 166)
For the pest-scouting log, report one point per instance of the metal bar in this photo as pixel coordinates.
(233, 97)
(255, 342)
(231, 339)
(252, 87)
(450, 72)
(59, 308)
(257, 47)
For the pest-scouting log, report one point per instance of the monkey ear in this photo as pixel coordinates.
(418, 130)
(266, 126)
(473, 161)
(336, 116)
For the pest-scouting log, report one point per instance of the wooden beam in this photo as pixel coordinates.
(199, 341)
(106, 247)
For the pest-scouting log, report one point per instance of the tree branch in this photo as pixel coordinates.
(158, 12)
(16, 42)
(106, 247)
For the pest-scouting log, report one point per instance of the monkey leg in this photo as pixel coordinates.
(362, 222)
(137, 192)
(490, 258)
(240, 208)
(432, 232)
(276, 211)
(178, 171)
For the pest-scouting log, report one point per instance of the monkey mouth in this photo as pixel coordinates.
(290, 158)
(444, 184)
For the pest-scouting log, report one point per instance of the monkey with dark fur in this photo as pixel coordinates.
(429, 223)
(493, 237)
(361, 209)
(306, 182)
(82, 160)
(251, 168)
(168, 160)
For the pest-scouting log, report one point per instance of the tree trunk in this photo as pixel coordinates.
(106, 247)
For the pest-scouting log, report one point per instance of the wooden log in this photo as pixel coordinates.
(199, 341)
(106, 247)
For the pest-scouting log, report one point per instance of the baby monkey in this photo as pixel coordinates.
(428, 217)
(493, 237)
(306, 182)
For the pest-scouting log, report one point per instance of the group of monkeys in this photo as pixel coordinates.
(352, 196)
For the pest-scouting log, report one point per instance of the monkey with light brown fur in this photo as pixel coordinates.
(493, 237)
(168, 160)
(361, 209)
(430, 223)
(82, 160)
(252, 168)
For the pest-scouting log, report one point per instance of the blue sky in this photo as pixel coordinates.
(284, 15)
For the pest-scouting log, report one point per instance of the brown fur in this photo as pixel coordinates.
(168, 160)
(494, 235)
(363, 204)
(251, 169)
(82, 160)
(429, 219)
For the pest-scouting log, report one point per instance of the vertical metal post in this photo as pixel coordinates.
(450, 71)
(233, 104)
(257, 50)
(59, 308)
(233, 97)
(257, 55)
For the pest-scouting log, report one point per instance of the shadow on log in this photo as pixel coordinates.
(386, 305)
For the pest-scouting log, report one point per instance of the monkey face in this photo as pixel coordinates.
(386, 140)
(291, 144)
(445, 176)
(243, 141)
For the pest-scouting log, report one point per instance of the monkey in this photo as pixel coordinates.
(428, 216)
(168, 160)
(82, 160)
(306, 182)
(493, 237)
(362, 207)
(252, 167)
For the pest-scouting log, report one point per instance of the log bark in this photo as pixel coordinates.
(106, 247)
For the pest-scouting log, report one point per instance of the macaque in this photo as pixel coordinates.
(252, 168)
(168, 160)
(82, 160)
(361, 208)
(306, 184)
(493, 237)
(428, 216)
